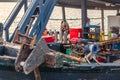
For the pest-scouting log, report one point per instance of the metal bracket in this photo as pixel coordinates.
(36, 57)
(22, 39)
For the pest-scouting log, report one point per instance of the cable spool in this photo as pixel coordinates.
(93, 48)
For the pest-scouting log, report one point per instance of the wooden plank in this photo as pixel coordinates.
(111, 41)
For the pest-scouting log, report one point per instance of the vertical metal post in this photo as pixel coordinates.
(102, 18)
(25, 5)
(84, 15)
(118, 11)
(63, 13)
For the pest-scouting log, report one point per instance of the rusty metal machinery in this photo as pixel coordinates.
(28, 59)
(29, 31)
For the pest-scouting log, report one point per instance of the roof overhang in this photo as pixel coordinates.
(91, 4)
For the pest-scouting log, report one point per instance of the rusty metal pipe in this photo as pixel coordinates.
(37, 74)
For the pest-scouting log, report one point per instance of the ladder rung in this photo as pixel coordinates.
(33, 16)
(22, 35)
(38, 6)
(18, 42)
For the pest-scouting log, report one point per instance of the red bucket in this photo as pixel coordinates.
(49, 39)
(75, 33)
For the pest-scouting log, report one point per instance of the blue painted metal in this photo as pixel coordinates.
(40, 19)
(43, 18)
(44, 12)
(25, 5)
(11, 18)
(11, 38)
(46, 17)
(7, 35)
(27, 16)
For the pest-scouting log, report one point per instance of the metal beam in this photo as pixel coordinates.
(98, 1)
(26, 17)
(84, 14)
(118, 11)
(102, 18)
(12, 17)
(46, 18)
(25, 5)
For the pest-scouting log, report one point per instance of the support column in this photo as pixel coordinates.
(84, 15)
(63, 13)
(118, 11)
(102, 18)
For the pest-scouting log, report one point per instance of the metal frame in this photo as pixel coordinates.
(45, 10)
(12, 17)
(43, 18)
